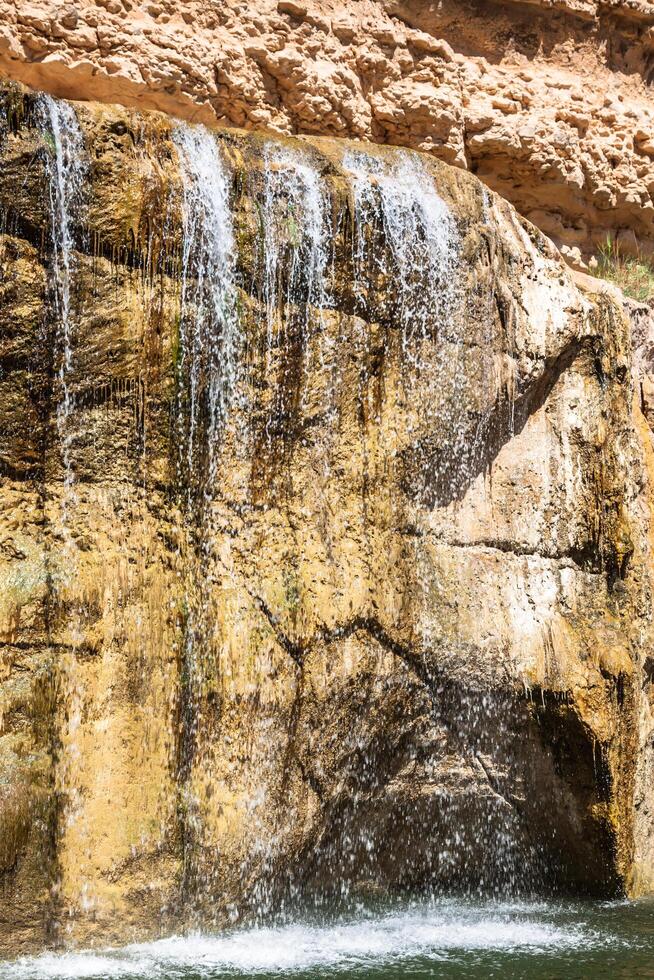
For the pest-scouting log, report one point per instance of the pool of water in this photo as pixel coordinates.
(427, 939)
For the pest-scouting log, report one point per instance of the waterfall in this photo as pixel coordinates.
(405, 264)
(418, 264)
(275, 664)
(66, 170)
(209, 338)
(405, 274)
(293, 271)
(406, 259)
(295, 234)
(208, 372)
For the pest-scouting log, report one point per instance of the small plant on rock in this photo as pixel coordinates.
(634, 275)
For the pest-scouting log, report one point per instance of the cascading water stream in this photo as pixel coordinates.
(294, 253)
(293, 270)
(419, 264)
(208, 372)
(66, 169)
(406, 258)
(406, 254)
(295, 232)
(406, 262)
(209, 328)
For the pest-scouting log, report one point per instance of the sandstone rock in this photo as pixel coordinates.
(558, 121)
(292, 7)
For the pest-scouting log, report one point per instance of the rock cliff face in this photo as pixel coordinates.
(548, 101)
(325, 530)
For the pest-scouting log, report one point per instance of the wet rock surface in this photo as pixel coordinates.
(325, 536)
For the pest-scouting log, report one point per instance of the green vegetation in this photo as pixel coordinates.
(291, 590)
(634, 276)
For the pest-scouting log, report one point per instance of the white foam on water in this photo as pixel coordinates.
(436, 933)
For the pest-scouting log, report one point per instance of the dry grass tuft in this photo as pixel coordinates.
(634, 276)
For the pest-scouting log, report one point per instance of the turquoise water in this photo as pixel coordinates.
(437, 939)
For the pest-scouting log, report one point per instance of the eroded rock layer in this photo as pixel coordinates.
(548, 101)
(324, 529)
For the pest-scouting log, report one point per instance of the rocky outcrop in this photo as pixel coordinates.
(309, 582)
(548, 101)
